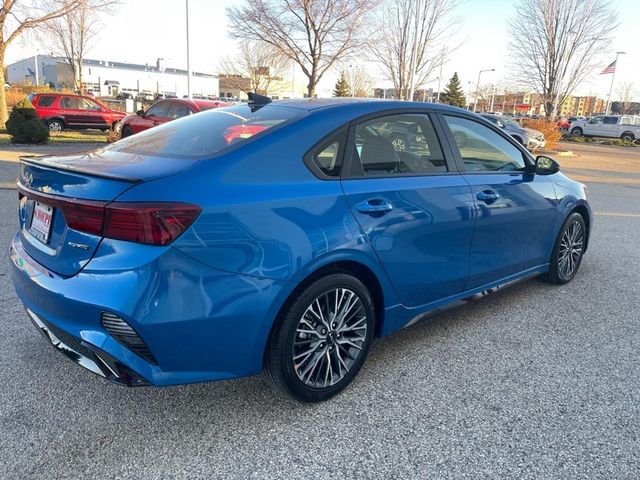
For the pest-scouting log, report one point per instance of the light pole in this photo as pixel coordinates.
(613, 78)
(475, 103)
(188, 56)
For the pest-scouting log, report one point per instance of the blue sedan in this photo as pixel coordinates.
(282, 237)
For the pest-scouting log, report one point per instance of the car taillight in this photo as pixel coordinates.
(240, 132)
(153, 223)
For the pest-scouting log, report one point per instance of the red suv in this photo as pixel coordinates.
(61, 110)
(164, 111)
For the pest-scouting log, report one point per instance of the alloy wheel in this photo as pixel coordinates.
(329, 338)
(571, 248)
(398, 145)
(55, 127)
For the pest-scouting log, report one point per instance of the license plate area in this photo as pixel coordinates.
(41, 221)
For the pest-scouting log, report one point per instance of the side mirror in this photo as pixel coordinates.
(140, 113)
(546, 165)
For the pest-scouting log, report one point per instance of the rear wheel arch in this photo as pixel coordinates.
(629, 135)
(349, 267)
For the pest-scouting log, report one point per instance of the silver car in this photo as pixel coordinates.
(530, 138)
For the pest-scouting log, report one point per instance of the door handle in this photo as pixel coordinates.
(487, 196)
(375, 206)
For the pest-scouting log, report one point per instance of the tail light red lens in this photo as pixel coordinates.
(152, 223)
(157, 223)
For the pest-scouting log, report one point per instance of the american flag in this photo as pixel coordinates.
(610, 69)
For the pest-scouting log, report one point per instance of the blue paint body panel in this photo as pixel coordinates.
(205, 305)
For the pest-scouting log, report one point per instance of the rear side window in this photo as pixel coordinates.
(610, 120)
(404, 144)
(208, 133)
(46, 100)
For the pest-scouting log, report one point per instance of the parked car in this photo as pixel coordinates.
(281, 237)
(625, 127)
(565, 122)
(60, 111)
(528, 137)
(145, 97)
(161, 112)
(124, 96)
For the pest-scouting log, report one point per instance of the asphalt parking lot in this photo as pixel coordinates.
(535, 381)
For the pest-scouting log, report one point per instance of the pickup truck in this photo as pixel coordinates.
(626, 127)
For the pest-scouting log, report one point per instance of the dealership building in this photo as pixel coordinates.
(107, 78)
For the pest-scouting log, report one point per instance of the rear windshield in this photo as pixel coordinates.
(206, 133)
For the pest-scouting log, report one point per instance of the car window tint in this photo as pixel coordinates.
(88, 105)
(327, 159)
(160, 109)
(207, 133)
(46, 100)
(178, 110)
(72, 103)
(482, 149)
(597, 120)
(610, 120)
(403, 144)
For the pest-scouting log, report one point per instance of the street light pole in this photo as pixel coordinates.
(475, 103)
(188, 56)
(613, 78)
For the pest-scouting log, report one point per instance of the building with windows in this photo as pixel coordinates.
(107, 78)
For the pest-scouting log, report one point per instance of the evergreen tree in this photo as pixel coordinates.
(342, 87)
(453, 94)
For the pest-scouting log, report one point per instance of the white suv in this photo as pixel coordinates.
(626, 127)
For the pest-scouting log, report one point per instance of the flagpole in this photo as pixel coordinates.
(613, 78)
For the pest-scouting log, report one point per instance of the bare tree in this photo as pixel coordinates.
(409, 42)
(258, 62)
(312, 33)
(358, 77)
(626, 92)
(18, 16)
(73, 33)
(556, 43)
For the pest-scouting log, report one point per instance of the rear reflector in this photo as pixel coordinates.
(157, 223)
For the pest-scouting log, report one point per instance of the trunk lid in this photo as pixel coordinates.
(50, 186)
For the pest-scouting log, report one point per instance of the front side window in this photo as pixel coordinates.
(597, 120)
(404, 144)
(89, 105)
(178, 110)
(160, 109)
(482, 149)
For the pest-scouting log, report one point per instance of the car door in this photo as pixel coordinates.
(95, 114)
(412, 205)
(593, 126)
(73, 112)
(610, 127)
(515, 210)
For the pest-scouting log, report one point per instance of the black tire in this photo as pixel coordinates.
(55, 125)
(628, 137)
(576, 132)
(557, 274)
(126, 132)
(285, 338)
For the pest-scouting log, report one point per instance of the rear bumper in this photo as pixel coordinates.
(200, 324)
(86, 355)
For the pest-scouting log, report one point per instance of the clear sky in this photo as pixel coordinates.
(143, 30)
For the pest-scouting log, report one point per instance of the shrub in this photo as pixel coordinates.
(548, 128)
(24, 126)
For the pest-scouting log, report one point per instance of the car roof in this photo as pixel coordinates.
(362, 104)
